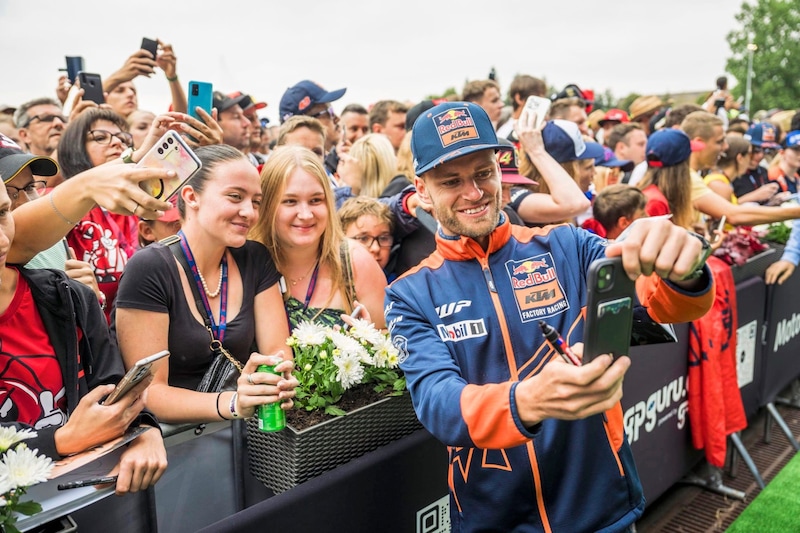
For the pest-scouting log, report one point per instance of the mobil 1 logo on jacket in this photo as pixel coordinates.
(537, 291)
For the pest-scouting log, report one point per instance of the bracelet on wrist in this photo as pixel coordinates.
(174, 78)
(216, 404)
(59, 213)
(234, 412)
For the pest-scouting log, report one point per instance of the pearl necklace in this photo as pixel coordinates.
(205, 287)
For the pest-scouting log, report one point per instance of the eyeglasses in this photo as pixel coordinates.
(384, 241)
(104, 137)
(325, 113)
(31, 190)
(46, 119)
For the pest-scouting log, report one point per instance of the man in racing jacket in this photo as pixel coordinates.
(535, 444)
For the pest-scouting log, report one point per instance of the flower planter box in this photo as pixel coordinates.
(286, 458)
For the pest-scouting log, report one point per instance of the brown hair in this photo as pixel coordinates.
(615, 201)
(675, 184)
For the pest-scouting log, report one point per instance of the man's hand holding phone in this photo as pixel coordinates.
(568, 392)
(657, 245)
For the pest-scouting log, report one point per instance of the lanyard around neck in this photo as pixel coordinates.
(217, 329)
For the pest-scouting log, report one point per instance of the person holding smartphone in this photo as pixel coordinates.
(481, 375)
(59, 362)
(237, 283)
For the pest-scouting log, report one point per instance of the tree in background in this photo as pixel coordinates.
(775, 29)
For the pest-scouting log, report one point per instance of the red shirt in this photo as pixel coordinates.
(31, 386)
(657, 203)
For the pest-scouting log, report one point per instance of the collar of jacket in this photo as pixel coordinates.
(464, 248)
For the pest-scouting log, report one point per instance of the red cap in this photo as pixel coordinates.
(614, 114)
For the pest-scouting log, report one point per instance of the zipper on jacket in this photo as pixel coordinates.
(487, 274)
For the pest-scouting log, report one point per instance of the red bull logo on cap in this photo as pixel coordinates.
(536, 287)
(455, 125)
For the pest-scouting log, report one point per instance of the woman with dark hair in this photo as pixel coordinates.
(237, 285)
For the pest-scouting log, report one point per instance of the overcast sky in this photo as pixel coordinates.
(380, 49)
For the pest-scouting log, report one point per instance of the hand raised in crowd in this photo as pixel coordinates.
(530, 137)
(62, 88)
(166, 60)
(198, 132)
(350, 172)
(115, 187)
(92, 423)
(568, 392)
(204, 132)
(657, 245)
(82, 272)
(258, 388)
(140, 63)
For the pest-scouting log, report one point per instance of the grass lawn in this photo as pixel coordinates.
(777, 507)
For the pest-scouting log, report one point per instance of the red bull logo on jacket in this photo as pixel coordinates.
(455, 125)
(536, 287)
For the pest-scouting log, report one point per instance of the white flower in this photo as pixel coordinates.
(5, 486)
(350, 370)
(9, 436)
(309, 334)
(23, 467)
(348, 346)
(366, 331)
(383, 349)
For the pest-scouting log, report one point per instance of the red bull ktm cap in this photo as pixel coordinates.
(448, 131)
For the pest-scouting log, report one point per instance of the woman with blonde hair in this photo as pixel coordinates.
(323, 277)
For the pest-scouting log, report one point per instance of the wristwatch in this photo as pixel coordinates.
(127, 155)
(701, 261)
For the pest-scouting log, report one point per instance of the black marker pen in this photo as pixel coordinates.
(87, 482)
(557, 342)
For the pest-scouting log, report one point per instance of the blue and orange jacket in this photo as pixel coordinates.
(466, 323)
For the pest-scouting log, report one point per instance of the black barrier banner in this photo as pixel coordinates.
(655, 404)
(782, 351)
(751, 297)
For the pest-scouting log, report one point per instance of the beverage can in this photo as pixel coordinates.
(270, 415)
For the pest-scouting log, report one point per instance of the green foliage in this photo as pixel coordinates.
(625, 103)
(776, 70)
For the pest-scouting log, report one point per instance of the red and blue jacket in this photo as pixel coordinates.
(466, 323)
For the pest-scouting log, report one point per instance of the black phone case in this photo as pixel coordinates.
(609, 311)
(150, 45)
(92, 86)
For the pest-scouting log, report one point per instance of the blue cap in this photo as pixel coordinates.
(762, 134)
(301, 97)
(667, 148)
(450, 130)
(792, 139)
(563, 141)
(609, 159)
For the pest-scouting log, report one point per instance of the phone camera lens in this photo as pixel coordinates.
(165, 146)
(170, 140)
(195, 90)
(160, 151)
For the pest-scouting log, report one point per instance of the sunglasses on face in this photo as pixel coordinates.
(325, 113)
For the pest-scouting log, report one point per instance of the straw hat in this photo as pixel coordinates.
(645, 104)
